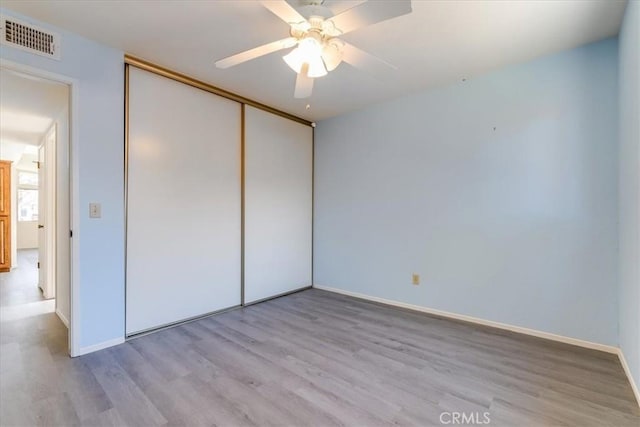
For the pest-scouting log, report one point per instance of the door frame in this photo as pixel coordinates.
(74, 194)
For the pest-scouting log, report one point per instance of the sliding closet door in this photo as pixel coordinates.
(183, 203)
(278, 205)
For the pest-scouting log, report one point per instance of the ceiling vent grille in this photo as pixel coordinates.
(30, 38)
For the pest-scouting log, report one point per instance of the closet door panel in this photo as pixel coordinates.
(278, 205)
(183, 202)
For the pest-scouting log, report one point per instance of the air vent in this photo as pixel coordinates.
(30, 38)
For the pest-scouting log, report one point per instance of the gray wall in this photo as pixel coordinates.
(501, 192)
(630, 188)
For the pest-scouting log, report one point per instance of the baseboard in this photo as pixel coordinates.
(476, 320)
(63, 318)
(100, 346)
(627, 371)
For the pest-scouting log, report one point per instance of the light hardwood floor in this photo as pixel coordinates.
(311, 358)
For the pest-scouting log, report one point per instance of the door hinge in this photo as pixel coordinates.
(70, 233)
(38, 264)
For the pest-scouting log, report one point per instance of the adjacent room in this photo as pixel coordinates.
(33, 140)
(320, 212)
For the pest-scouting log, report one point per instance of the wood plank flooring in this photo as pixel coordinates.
(309, 359)
(21, 285)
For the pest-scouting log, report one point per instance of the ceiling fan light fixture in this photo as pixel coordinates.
(294, 60)
(316, 68)
(309, 51)
(310, 46)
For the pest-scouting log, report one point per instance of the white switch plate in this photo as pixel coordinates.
(95, 210)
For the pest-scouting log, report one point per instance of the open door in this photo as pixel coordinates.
(42, 203)
(47, 215)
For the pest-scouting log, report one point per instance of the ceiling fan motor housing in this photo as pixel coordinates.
(309, 8)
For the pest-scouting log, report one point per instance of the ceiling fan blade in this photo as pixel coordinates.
(367, 62)
(284, 11)
(256, 52)
(369, 13)
(304, 83)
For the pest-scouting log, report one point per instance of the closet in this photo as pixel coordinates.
(278, 203)
(219, 202)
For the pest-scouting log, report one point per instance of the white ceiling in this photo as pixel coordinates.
(28, 106)
(441, 42)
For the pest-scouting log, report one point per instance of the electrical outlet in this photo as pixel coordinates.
(415, 279)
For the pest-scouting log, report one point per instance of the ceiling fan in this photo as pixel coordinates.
(318, 49)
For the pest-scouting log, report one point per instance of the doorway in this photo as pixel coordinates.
(34, 147)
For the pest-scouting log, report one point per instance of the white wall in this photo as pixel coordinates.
(27, 234)
(629, 197)
(501, 192)
(98, 156)
(26, 162)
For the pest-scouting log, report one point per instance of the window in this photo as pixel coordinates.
(27, 196)
(27, 204)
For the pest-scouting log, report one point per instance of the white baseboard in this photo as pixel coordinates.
(505, 326)
(627, 371)
(100, 346)
(63, 318)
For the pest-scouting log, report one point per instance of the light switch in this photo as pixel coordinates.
(95, 210)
